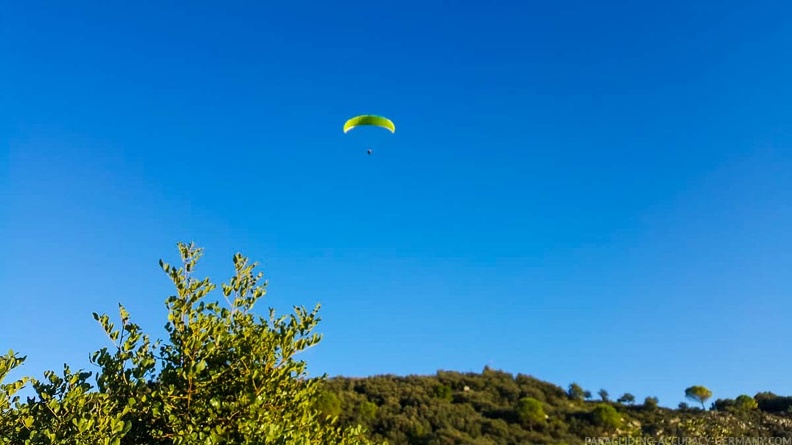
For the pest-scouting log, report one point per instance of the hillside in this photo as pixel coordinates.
(495, 407)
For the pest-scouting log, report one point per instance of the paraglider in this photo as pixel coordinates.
(369, 119)
(372, 120)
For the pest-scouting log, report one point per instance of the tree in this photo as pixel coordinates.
(587, 395)
(723, 405)
(225, 375)
(64, 412)
(10, 418)
(626, 398)
(699, 394)
(367, 411)
(443, 392)
(772, 403)
(329, 405)
(606, 416)
(576, 392)
(530, 412)
(603, 395)
(745, 403)
(651, 402)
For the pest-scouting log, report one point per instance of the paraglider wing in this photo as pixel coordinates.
(369, 119)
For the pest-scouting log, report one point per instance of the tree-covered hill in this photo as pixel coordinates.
(495, 407)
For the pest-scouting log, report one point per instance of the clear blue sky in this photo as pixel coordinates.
(592, 193)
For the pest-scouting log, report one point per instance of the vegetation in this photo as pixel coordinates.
(496, 407)
(227, 376)
(699, 394)
(576, 392)
(627, 398)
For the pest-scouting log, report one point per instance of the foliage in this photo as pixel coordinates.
(607, 417)
(626, 398)
(495, 410)
(530, 412)
(225, 376)
(699, 394)
(651, 402)
(769, 402)
(576, 392)
(723, 405)
(745, 403)
(329, 405)
(444, 392)
(742, 404)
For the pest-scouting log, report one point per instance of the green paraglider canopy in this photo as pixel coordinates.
(369, 119)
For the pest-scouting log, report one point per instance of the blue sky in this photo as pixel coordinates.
(598, 194)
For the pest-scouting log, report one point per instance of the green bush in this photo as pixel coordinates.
(225, 376)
